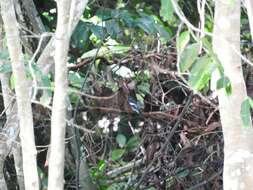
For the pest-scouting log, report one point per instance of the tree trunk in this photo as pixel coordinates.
(238, 141)
(8, 98)
(58, 121)
(22, 94)
(4, 85)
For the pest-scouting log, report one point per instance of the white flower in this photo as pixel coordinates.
(103, 123)
(106, 130)
(116, 124)
(115, 128)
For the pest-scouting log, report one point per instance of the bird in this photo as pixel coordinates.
(133, 103)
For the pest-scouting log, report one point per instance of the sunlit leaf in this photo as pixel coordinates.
(121, 140)
(133, 143)
(117, 154)
(201, 72)
(167, 10)
(183, 40)
(188, 57)
(106, 51)
(75, 79)
(101, 165)
(245, 112)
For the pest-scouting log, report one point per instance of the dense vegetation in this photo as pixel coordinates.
(134, 121)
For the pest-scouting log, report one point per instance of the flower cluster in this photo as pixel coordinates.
(105, 124)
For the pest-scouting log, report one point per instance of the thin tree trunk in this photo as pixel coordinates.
(58, 121)
(22, 93)
(5, 88)
(8, 105)
(238, 141)
(18, 161)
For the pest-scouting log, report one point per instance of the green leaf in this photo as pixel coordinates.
(167, 10)
(224, 82)
(183, 40)
(101, 165)
(188, 57)
(207, 44)
(121, 140)
(80, 36)
(144, 88)
(98, 31)
(245, 112)
(75, 79)
(5, 68)
(106, 51)
(201, 71)
(117, 154)
(147, 24)
(133, 143)
(113, 28)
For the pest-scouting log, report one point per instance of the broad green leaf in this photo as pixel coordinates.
(147, 24)
(183, 40)
(201, 71)
(5, 68)
(98, 31)
(75, 79)
(224, 82)
(188, 57)
(117, 154)
(128, 18)
(133, 143)
(167, 10)
(106, 51)
(245, 112)
(80, 36)
(121, 140)
(104, 13)
(113, 28)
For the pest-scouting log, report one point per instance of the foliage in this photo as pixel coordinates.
(118, 44)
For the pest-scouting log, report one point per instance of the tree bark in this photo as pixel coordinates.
(238, 141)
(5, 88)
(8, 96)
(22, 94)
(58, 121)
